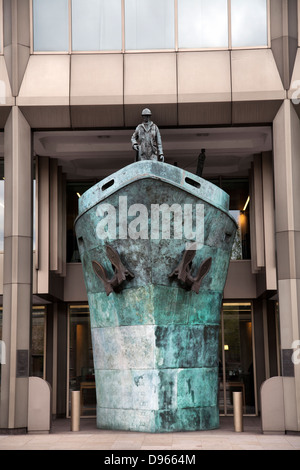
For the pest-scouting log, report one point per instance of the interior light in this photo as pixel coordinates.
(246, 204)
(242, 219)
(237, 304)
(78, 194)
(226, 347)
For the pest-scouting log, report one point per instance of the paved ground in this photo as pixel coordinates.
(91, 438)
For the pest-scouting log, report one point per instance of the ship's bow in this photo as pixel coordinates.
(155, 244)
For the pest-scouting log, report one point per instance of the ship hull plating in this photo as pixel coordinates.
(154, 296)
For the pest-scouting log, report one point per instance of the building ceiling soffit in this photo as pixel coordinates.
(86, 154)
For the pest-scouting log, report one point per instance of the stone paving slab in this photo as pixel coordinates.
(90, 438)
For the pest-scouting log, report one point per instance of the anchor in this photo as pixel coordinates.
(120, 271)
(184, 274)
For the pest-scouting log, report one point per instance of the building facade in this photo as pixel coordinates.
(219, 75)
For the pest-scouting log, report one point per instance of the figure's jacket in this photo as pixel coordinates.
(148, 139)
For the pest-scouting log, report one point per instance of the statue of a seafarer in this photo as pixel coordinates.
(154, 294)
(146, 139)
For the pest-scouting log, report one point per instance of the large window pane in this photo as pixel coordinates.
(50, 25)
(74, 191)
(249, 23)
(2, 347)
(236, 368)
(38, 338)
(149, 24)
(202, 23)
(238, 190)
(96, 25)
(81, 371)
(1, 205)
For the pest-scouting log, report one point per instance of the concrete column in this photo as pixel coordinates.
(287, 228)
(284, 36)
(17, 283)
(16, 40)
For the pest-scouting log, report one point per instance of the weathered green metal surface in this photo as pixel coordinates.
(155, 342)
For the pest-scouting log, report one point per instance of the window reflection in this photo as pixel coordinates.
(238, 190)
(96, 25)
(236, 366)
(1, 345)
(241, 245)
(249, 23)
(239, 208)
(74, 191)
(1, 205)
(149, 24)
(1, 214)
(38, 341)
(51, 25)
(202, 23)
(81, 368)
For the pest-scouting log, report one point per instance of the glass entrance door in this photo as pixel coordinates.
(236, 362)
(81, 368)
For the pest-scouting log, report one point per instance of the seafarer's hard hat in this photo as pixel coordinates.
(146, 112)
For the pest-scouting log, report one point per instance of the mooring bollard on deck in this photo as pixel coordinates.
(238, 411)
(75, 411)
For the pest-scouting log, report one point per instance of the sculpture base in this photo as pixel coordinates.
(159, 421)
(160, 375)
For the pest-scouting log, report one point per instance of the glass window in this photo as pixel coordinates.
(74, 191)
(1, 29)
(51, 25)
(2, 205)
(2, 347)
(34, 213)
(236, 369)
(38, 341)
(149, 24)
(81, 368)
(238, 190)
(96, 25)
(202, 23)
(0, 324)
(249, 23)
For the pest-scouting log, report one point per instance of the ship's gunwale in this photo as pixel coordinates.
(134, 178)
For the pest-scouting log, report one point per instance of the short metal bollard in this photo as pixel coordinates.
(238, 411)
(75, 411)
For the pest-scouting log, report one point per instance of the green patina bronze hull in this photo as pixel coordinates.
(155, 340)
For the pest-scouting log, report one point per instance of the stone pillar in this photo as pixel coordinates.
(17, 276)
(287, 197)
(284, 37)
